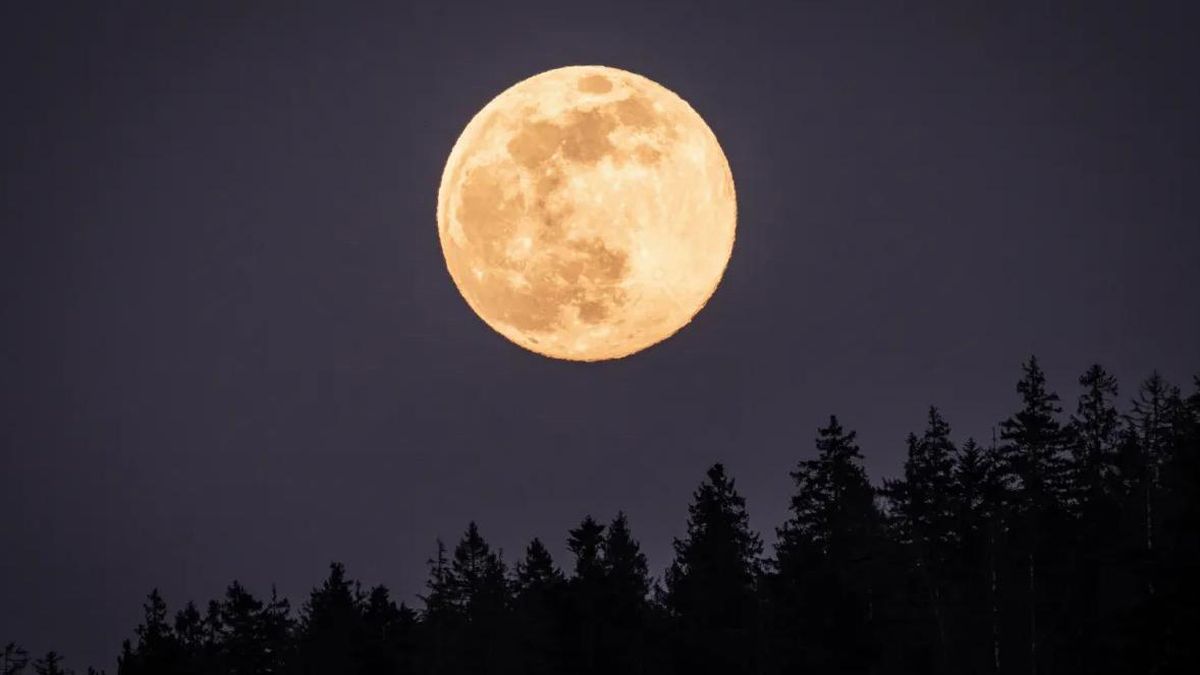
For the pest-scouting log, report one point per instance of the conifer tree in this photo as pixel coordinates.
(585, 601)
(330, 631)
(711, 583)
(828, 558)
(50, 664)
(478, 589)
(923, 514)
(13, 660)
(978, 495)
(1095, 430)
(1034, 454)
(537, 612)
(625, 610)
(157, 649)
(388, 635)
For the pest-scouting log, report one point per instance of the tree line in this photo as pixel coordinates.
(1065, 543)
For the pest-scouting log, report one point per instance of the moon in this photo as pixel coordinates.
(586, 213)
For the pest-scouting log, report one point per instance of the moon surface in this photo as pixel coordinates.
(586, 213)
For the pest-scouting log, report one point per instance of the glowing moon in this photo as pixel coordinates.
(586, 213)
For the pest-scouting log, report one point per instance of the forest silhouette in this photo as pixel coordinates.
(1067, 542)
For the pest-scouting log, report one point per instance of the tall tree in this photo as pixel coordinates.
(330, 632)
(1095, 431)
(538, 609)
(50, 664)
(388, 635)
(478, 589)
(979, 494)
(711, 583)
(584, 609)
(1036, 443)
(626, 635)
(922, 516)
(1095, 428)
(827, 561)
(157, 649)
(13, 660)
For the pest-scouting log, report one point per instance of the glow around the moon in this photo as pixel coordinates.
(586, 213)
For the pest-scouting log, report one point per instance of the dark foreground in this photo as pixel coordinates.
(1068, 543)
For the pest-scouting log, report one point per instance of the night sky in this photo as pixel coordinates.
(230, 348)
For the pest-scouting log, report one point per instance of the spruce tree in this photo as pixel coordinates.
(157, 649)
(388, 640)
(980, 496)
(1095, 431)
(585, 600)
(828, 561)
(922, 516)
(13, 660)
(330, 631)
(50, 664)
(625, 632)
(538, 609)
(711, 583)
(1034, 453)
(478, 588)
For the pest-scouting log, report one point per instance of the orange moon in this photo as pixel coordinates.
(587, 213)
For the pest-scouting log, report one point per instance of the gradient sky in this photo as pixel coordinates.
(229, 347)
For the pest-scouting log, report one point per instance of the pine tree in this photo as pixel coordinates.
(441, 621)
(330, 632)
(923, 515)
(585, 599)
(478, 588)
(1035, 459)
(1179, 599)
(157, 650)
(979, 495)
(537, 612)
(13, 660)
(711, 583)
(1095, 427)
(50, 664)
(625, 615)
(1094, 437)
(828, 558)
(1150, 426)
(242, 644)
(537, 572)
(388, 639)
(585, 542)
(625, 568)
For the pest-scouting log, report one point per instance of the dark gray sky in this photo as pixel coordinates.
(229, 347)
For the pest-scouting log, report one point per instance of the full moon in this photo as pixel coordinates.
(586, 213)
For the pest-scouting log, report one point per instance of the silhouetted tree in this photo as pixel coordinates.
(330, 632)
(711, 583)
(585, 593)
(625, 611)
(1057, 549)
(979, 494)
(388, 635)
(1095, 430)
(1035, 448)
(827, 561)
(157, 651)
(922, 519)
(14, 659)
(50, 664)
(538, 608)
(441, 619)
(473, 597)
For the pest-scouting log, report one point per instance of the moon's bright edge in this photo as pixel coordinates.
(587, 213)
